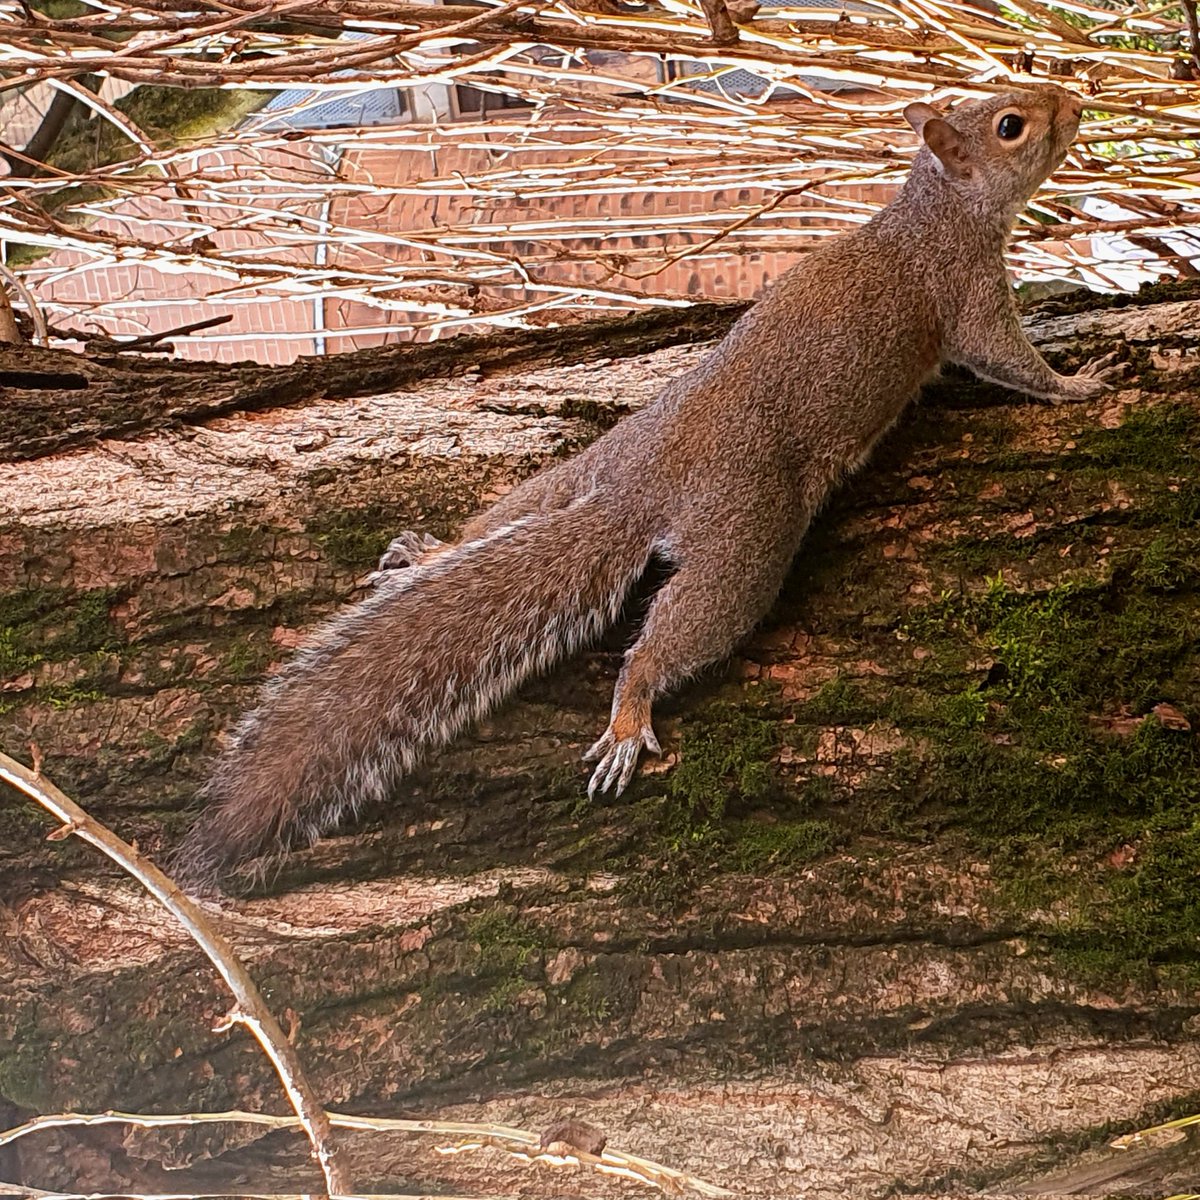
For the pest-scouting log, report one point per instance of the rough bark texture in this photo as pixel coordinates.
(908, 904)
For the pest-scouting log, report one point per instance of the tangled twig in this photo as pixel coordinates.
(642, 143)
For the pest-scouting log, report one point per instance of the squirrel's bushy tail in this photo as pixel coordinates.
(407, 669)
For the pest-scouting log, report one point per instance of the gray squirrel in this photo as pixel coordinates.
(718, 478)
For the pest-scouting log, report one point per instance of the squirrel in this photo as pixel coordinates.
(718, 478)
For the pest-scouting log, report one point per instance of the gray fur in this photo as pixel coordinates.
(722, 474)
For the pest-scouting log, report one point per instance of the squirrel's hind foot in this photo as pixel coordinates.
(404, 552)
(1094, 378)
(618, 759)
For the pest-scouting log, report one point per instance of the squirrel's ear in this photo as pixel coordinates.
(917, 113)
(943, 139)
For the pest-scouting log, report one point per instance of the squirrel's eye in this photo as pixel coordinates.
(1010, 127)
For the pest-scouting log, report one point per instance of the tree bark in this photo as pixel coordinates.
(36, 151)
(895, 909)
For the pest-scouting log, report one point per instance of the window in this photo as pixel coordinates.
(304, 108)
(476, 102)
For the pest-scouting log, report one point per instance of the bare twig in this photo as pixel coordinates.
(249, 1008)
(473, 1135)
(14, 281)
(147, 341)
(747, 219)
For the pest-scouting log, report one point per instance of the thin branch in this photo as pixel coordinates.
(747, 219)
(473, 1134)
(150, 339)
(40, 332)
(249, 1008)
(1189, 8)
(147, 341)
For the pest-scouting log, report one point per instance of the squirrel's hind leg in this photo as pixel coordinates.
(697, 618)
(551, 489)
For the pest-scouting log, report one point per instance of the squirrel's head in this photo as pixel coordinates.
(998, 151)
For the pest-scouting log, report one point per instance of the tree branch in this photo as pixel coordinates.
(249, 1009)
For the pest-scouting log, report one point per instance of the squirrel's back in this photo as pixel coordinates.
(823, 363)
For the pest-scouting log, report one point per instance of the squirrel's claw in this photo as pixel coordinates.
(406, 550)
(1107, 369)
(618, 760)
(1095, 377)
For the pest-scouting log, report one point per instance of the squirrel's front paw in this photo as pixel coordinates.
(1093, 378)
(618, 759)
(407, 550)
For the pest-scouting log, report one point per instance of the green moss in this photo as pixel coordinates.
(841, 701)
(1095, 785)
(1024, 767)
(161, 753)
(240, 542)
(16, 655)
(23, 1062)
(726, 808)
(588, 997)
(1027, 711)
(1148, 917)
(1027, 726)
(761, 847)
(1168, 563)
(1179, 507)
(725, 758)
(1155, 454)
(55, 624)
(963, 711)
(247, 660)
(1081, 646)
(1163, 438)
(21, 822)
(69, 696)
(971, 557)
(92, 627)
(506, 945)
(355, 538)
